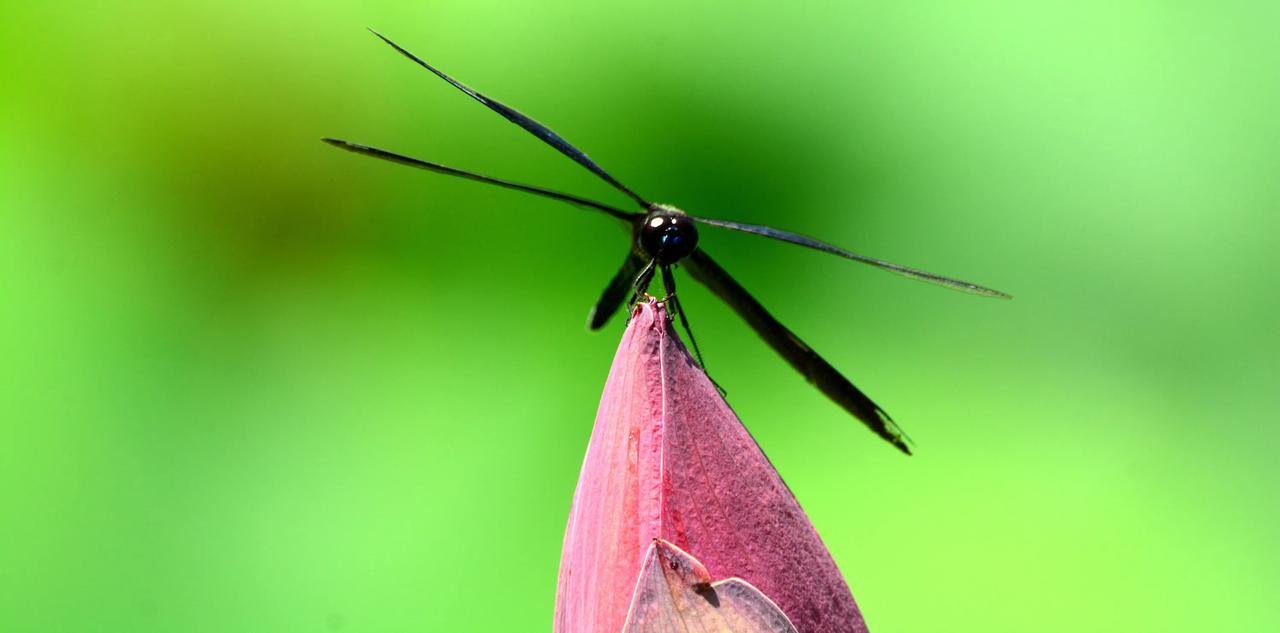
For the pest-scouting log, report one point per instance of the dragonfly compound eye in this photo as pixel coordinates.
(668, 237)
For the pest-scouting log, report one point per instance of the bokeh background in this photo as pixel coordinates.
(252, 383)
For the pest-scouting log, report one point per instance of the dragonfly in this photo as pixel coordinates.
(663, 237)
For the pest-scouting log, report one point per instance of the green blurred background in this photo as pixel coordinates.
(251, 383)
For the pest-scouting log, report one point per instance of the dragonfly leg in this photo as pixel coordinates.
(669, 286)
(640, 288)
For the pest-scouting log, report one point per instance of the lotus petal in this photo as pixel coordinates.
(668, 459)
(675, 595)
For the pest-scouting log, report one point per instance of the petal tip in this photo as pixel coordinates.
(678, 564)
(649, 314)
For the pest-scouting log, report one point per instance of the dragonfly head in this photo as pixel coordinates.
(667, 234)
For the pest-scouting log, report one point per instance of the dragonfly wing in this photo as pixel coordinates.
(809, 242)
(619, 288)
(383, 154)
(546, 134)
(813, 367)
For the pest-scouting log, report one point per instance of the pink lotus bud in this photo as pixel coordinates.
(669, 460)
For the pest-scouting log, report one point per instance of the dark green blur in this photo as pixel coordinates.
(251, 383)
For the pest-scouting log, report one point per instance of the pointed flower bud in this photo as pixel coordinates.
(669, 460)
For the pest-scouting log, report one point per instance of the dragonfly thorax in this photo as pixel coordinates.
(667, 235)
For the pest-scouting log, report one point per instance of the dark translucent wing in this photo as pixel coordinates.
(802, 240)
(450, 171)
(616, 292)
(806, 361)
(533, 127)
